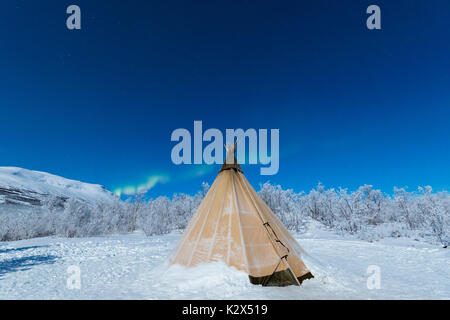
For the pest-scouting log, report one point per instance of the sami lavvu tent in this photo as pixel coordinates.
(234, 225)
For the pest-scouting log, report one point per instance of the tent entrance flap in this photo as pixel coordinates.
(280, 279)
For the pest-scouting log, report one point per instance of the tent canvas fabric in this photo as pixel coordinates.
(234, 225)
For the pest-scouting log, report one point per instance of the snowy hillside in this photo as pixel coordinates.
(22, 188)
(133, 266)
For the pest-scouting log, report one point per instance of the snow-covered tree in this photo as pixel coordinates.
(365, 212)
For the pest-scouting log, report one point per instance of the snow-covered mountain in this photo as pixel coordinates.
(22, 188)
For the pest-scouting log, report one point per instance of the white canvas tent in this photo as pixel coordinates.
(234, 225)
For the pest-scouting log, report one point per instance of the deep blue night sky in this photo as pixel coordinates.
(353, 106)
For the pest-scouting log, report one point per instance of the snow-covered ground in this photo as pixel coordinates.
(133, 266)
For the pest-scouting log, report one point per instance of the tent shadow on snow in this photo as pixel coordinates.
(25, 263)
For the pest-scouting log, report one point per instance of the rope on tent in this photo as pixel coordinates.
(267, 224)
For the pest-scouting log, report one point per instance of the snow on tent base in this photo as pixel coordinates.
(234, 225)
